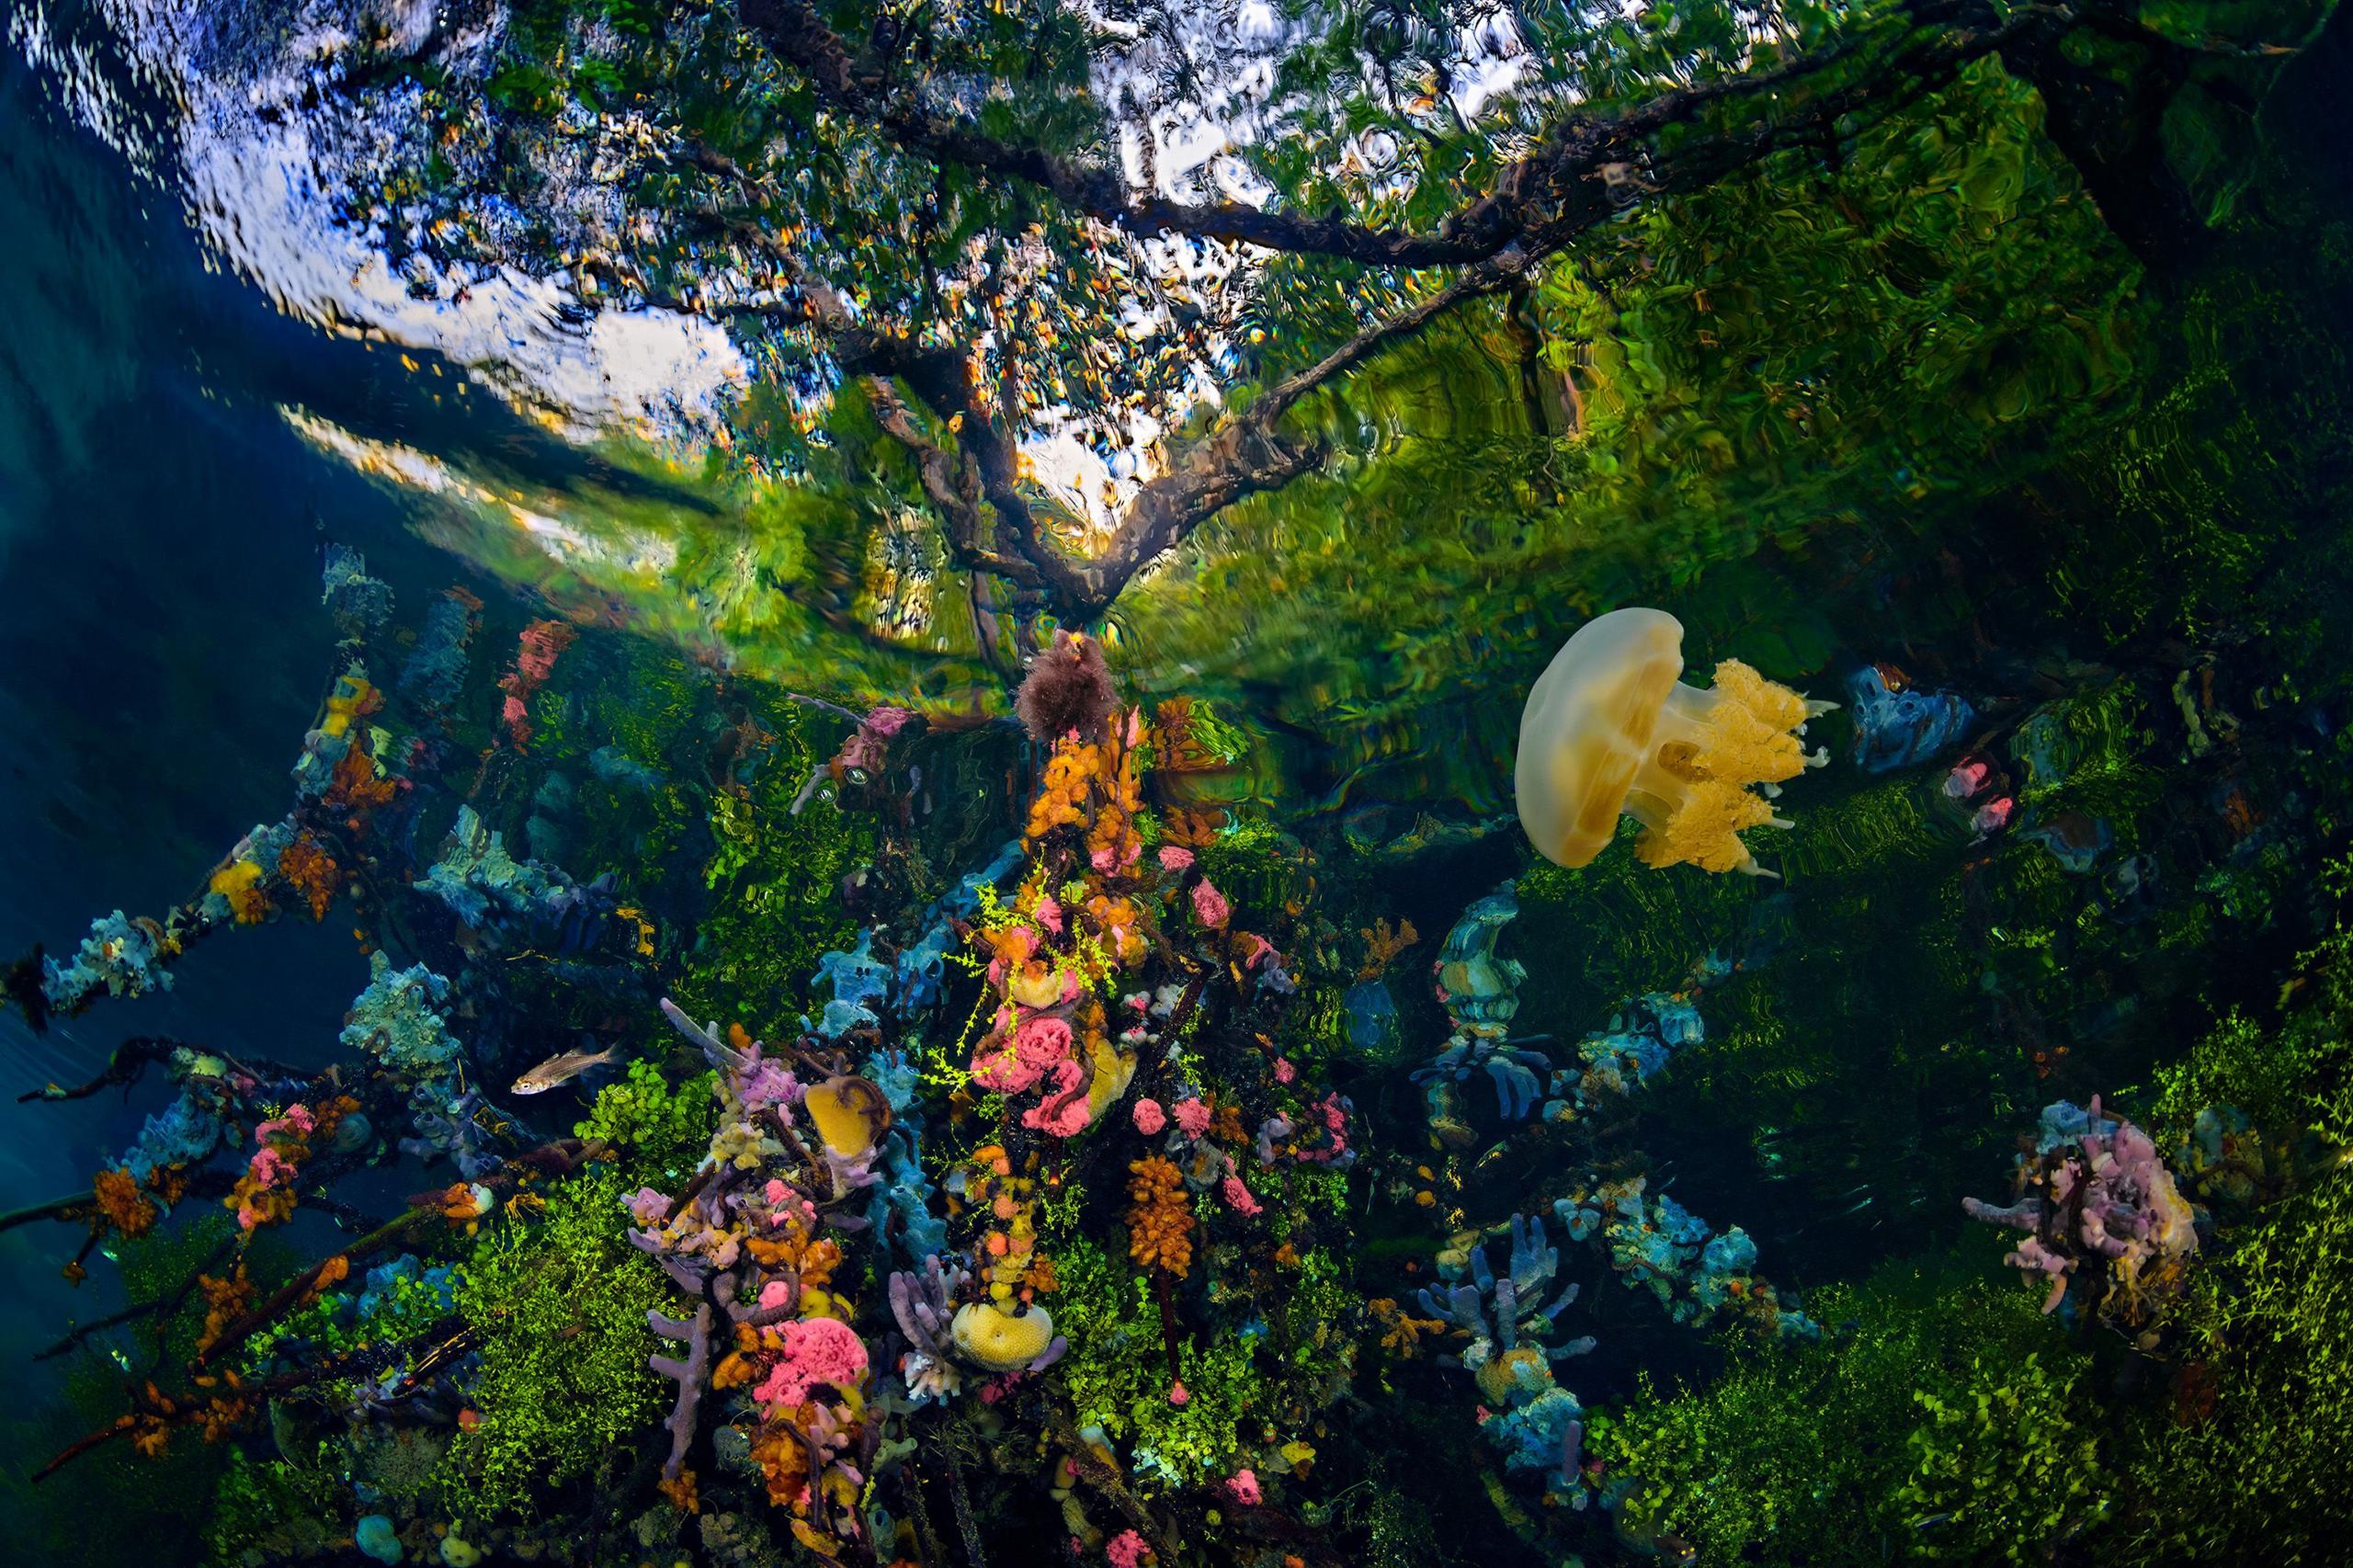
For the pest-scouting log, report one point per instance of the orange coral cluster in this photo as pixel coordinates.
(358, 785)
(1382, 945)
(155, 1413)
(1401, 1331)
(241, 884)
(311, 871)
(225, 1301)
(328, 1274)
(1160, 1220)
(1009, 1243)
(122, 1205)
(1062, 799)
(1095, 785)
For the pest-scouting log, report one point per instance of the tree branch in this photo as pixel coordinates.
(1531, 195)
(1583, 171)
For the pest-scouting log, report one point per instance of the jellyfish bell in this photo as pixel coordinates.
(1611, 730)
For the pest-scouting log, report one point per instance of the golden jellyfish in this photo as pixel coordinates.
(1610, 729)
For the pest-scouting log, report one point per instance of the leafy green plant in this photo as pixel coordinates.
(557, 1305)
(2004, 1469)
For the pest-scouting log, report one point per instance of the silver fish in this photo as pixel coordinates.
(560, 1069)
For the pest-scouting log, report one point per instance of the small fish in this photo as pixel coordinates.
(560, 1069)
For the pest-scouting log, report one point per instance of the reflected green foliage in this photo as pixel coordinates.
(1940, 312)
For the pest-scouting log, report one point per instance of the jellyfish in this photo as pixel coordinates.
(1608, 729)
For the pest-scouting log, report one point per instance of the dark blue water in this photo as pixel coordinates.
(161, 639)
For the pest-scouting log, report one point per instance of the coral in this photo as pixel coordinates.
(396, 1020)
(1481, 994)
(1479, 991)
(850, 1114)
(186, 1133)
(1608, 728)
(1901, 726)
(859, 982)
(482, 883)
(539, 645)
(2104, 1213)
(1497, 1312)
(121, 956)
(1641, 1039)
(435, 674)
(691, 1374)
(1209, 906)
(360, 604)
(922, 1304)
(1160, 1219)
(1067, 691)
(1000, 1341)
(1382, 946)
(1654, 1242)
(815, 1351)
(376, 1537)
(311, 872)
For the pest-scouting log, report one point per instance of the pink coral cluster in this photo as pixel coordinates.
(298, 1119)
(817, 1351)
(868, 744)
(1149, 1117)
(1333, 1111)
(1039, 1045)
(648, 1208)
(1192, 1116)
(765, 1085)
(269, 1166)
(1126, 1549)
(539, 645)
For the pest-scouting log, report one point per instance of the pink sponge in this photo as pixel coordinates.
(816, 1350)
